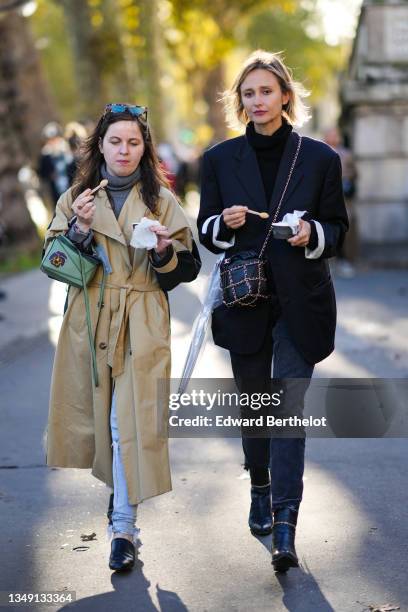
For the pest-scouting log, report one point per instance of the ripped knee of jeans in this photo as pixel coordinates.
(116, 446)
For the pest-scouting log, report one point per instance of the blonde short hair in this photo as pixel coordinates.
(295, 111)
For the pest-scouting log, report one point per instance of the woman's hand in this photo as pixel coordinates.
(303, 236)
(163, 238)
(235, 216)
(84, 208)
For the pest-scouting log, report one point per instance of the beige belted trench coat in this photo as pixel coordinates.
(132, 349)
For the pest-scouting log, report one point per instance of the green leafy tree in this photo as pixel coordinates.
(313, 61)
(201, 37)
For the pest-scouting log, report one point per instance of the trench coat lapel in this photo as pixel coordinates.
(120, 229)
(105, 221)
(249, 175)
(283, 172)
(132, 211)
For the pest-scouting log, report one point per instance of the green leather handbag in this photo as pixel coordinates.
(64, 262)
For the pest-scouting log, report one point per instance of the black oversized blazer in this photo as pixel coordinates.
(230, 175)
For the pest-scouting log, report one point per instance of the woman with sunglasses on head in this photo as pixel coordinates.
(296, 324)
(116, 426)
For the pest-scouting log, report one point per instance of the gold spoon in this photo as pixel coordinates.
(263, 215)
(101, 185)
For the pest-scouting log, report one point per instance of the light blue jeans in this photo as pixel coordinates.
(124, 513)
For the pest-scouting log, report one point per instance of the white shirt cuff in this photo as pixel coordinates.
(315, 254)
(207, 223)
(221, 244)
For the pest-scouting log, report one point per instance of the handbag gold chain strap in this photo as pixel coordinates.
(282, 196)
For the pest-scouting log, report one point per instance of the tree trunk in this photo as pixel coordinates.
(142, 44)
(149, 65)
(98, 54)
(112, 54)
(214, 85)
(20, 120)
(37, 100)
(20, 57)
(78, 18)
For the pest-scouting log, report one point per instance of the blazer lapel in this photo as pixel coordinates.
(249, 175)
(283, 172)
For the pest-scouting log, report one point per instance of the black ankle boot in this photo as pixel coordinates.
(110, 509)
(260, 514)
(122, 557)
(283, 540)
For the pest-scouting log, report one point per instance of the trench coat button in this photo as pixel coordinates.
(102, 345)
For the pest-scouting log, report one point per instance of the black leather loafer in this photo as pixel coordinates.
(260, 514)
(122, 557)
(283, 540)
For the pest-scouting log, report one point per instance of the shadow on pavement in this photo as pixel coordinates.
(130, 589)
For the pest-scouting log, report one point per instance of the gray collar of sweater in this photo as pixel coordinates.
(119, 187)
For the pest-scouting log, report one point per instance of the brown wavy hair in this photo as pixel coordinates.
(88, 172)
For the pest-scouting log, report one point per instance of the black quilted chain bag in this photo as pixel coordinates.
(243, 275)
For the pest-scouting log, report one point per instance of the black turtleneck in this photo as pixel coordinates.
(269, 150)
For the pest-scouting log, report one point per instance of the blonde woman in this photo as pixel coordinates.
(296, 326)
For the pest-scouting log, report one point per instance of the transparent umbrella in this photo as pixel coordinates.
(213, 298)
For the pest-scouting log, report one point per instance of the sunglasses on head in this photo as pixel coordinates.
(136, 111)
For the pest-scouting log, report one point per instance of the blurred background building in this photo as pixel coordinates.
(374, 99)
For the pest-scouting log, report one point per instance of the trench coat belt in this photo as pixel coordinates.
(118, 325)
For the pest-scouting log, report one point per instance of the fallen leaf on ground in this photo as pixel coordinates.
(88, 537)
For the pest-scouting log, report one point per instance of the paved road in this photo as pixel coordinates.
(197, 553)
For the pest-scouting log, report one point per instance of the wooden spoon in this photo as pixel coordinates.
(101, 185)
(263, 215)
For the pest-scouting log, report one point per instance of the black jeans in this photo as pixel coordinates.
(284, 456)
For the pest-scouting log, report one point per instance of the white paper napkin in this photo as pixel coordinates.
(291, 220)
(142, 237)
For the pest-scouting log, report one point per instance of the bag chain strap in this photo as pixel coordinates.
(282, 196)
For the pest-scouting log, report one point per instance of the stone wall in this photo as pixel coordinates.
(375, 101)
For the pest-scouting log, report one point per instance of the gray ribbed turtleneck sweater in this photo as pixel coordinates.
(119, 187)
